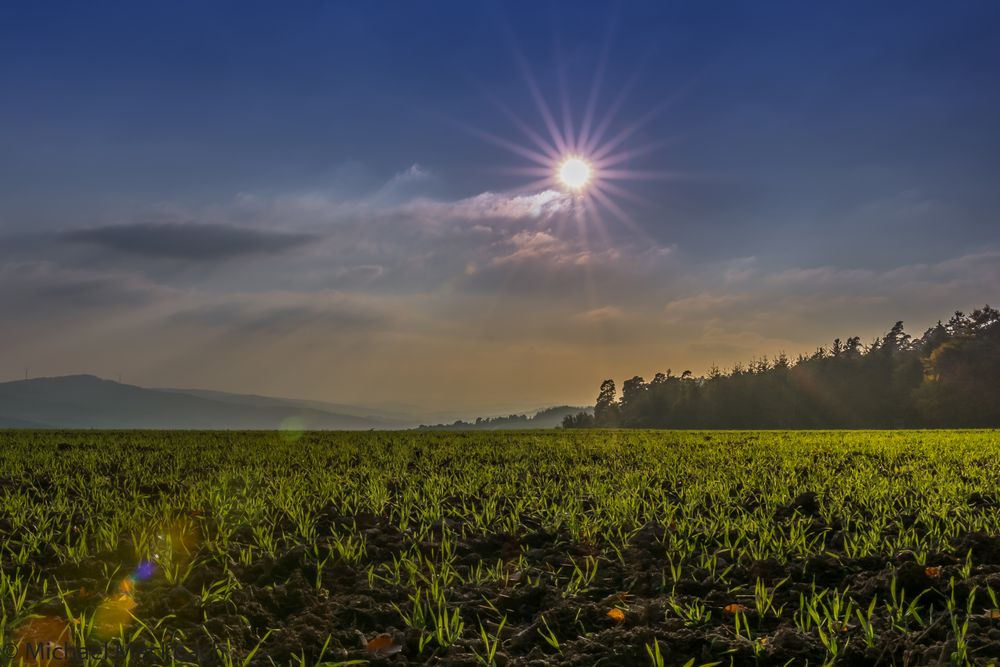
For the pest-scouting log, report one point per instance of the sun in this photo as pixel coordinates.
(574, 172)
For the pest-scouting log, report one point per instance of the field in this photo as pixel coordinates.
(507, 548)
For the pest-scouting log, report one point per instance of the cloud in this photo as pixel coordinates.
(545, 251)
(699, 304)
(394, 286)
(361, 274)
(521, 243)
(740, 270)
(529, 245)
(45, 289)
(366, 242)
(600, 315)
(395, 202)
(414, 173)
(491, 206)
(404, 185)
(948, 278)
(189, 241)
(284, 312)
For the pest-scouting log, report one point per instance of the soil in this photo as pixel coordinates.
(279, 594)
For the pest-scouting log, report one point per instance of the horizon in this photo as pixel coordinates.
(499, 207)
(400, 412)
(445, 415)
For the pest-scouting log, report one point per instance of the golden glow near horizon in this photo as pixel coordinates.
(574, 173)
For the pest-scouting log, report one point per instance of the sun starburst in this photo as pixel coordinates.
(589, 159)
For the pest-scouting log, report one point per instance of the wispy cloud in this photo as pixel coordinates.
(44, 289)
(491, 206)
(189, 241)
(600, 315)
(283, 313)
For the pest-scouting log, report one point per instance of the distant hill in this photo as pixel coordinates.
(85, 401)
(257, 401)
(546, 418)
(8, 422)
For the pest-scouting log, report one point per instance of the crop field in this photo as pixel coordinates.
(507, 548)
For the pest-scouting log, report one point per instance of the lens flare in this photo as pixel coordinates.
(116, 613)
(143, 571)
(113, 616)
(292, 429)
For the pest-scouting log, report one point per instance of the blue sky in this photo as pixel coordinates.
(301, 199)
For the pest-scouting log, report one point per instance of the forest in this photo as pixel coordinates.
(948, 377)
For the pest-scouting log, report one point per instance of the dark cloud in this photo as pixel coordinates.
(189, 241)
(99, 291)
(41, 288)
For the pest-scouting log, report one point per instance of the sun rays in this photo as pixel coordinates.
(589, 154)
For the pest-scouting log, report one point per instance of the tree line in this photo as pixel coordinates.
(547, 418)
(948, 377)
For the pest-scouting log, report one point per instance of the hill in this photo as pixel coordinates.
(86, 401)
